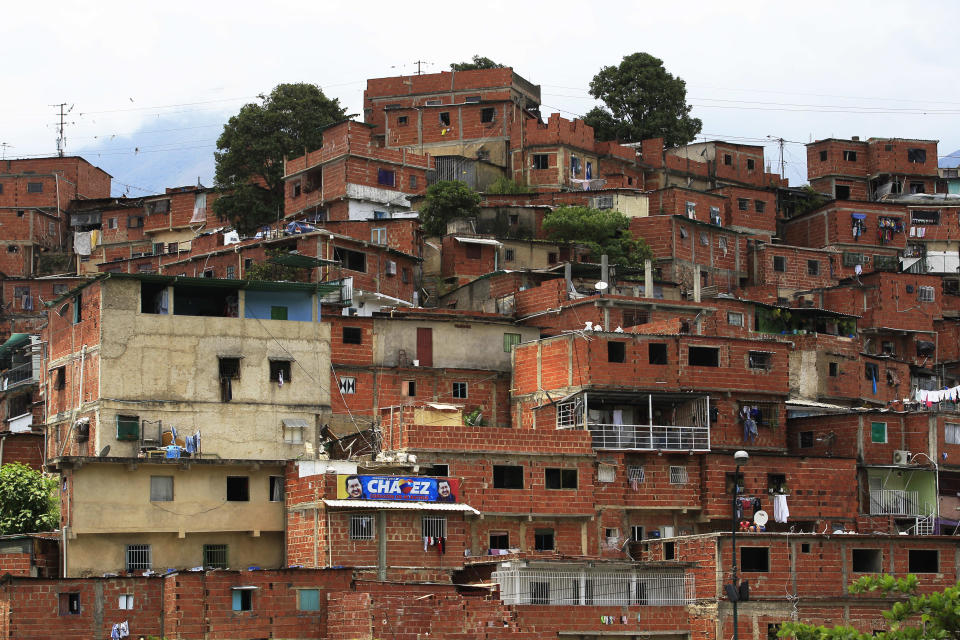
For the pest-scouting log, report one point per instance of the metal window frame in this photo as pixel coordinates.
(433, 526)
(679, 475)
(361, 526)
(138, 557)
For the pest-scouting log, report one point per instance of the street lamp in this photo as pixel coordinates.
(740, 457)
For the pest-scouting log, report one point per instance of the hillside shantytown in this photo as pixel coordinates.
(485, 433)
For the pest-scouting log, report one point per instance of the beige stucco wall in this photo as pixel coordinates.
(632, 205)
(527, 255)
(166, 367)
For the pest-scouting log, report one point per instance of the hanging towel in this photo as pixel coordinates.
(873, 376)
(780, 510)
(81, 243)
(425, 541)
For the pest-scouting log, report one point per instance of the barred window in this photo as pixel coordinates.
(215, 556)
(570, 414)
(678, 475)
(925, 294)
(434, 527)
(635, 475)
(606, 473)
(138, 557)
(361, 527)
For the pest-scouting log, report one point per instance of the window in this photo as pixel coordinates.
(59, 289)
(238, 489)
(113, 223)
(813, 267)
(560, 478)
(833, 369)
(434, 102)
(917, 155)
(539, 593)
(541, 161)
(471, 99)
(507, 476)
(408, 388)
(413, 182)
(499, 540)
(77, 309)
(293, 429)
(703, 356)
(823, 156)
(125, 602)
(445, 118)
(487, 114)
(361, 527)
(733, 482)
(229, 369)
(923, 561)
(543, 540)
(743, 204)
(134, 222)
(352, 335)
(473, 252)
(925, 294)
(751, 164)
(849, 156)
(161, 488)
(871, 371)
(433, 527)
(242, 598)
(678, 475)
(635, 476)
(636, 533)
(878, 432)
(215, 556)
(386, 177)
(924, 216)
(951, 433)
(616, 351)
(352, 260)
(760, 360)
(759, 206)
(841, 192)
(60, 378)
(574, 165)
(917, 187)
(780, 263)
(280, 371)
(278, 313)
(295, 189)
(691, 209)
(138, 557)
(658, 353)
(552, 257)
(669, 550)
(606, 473)
(754, 559)
(634, 317)
(510, 339)
(727, 159)
(276, 488)
(734, 318)
(69, 604)
(867, 561)
(128, 427)
(460, 390)
(156, 206)
(806, 439)
(347, 385)
(402, 121)
(509, 255)
(436, 470)
(308, 599)
(34, 187)
(378, 235)
(232, 273)
(51, 228)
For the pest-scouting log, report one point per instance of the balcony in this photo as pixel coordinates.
(20, 374)
(639, 421)
(896, 502)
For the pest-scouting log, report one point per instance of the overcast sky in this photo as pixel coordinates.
(152, 84)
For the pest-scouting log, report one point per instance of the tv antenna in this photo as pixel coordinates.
(61, 138)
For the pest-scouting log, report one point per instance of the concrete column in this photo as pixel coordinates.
(648, 278)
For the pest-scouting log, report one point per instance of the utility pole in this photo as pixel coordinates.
(418, 63)
(61, 139)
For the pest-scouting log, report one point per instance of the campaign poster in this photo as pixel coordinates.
(407, 488)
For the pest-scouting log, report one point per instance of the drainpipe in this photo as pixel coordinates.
(605, 276)
(648, 278)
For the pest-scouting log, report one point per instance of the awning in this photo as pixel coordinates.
(490, 241)
(295, 423)
(13, 342)
(394, 504)
(858, 216)
(20, 424)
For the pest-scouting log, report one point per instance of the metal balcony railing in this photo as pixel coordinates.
(650, 437)
(524, 586)
(21, 374)
(895, 502)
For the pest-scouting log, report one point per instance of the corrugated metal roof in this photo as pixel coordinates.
(394, 504)
(477, 240)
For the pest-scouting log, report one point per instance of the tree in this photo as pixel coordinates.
(504, 185)
(444, 201)
(642, 101)
(28, 500)
(603, 231)
(249, 160)
(479, 62)
(934, 615)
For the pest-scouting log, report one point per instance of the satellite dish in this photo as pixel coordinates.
(761, 518)
(600, 286)
(104, 451)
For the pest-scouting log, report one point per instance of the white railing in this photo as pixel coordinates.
(650, 437)
(593, 588)
(895, 502)
(18, 375)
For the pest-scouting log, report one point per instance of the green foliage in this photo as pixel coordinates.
(934, 615)
(249, 160)
(601, 230)
(642, 101)
(50, 262)
(444, 201)
(504, 185)
(28, 500)
(479, 62)
(811, 200)
(274, 272)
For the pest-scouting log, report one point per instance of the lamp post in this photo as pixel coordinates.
(741, 458)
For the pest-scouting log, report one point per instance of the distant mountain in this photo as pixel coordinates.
(950, 161)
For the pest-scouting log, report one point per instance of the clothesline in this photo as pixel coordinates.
(928, 397)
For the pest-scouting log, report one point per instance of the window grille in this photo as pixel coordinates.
(434, 527)
(523, 586)
(606, 473)
(635, 475)
(138, 557)
(215, 556)
(361, 527)
(925, 294)
(678, 475)
(570, 414)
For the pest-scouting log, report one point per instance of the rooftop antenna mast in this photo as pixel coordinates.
(4, 146)
(419, 63)
(61, 139)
